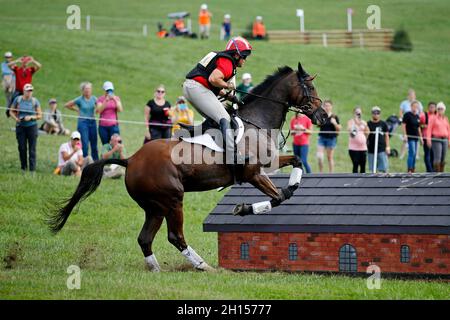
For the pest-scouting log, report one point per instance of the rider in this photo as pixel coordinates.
(209, 79)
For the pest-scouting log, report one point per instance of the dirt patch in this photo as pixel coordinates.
(91, 258)
(12, 256)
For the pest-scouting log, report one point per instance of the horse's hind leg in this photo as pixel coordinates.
(176, 238)
(149, 229)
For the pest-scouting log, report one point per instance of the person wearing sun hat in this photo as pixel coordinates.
(8, 78)
(25, 110)
(383, 142)
(204, 21)
(181, 114)
(53, 123)
(108, 106)
(70, 157)
(246, 85)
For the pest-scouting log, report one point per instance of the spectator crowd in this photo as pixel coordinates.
(368, 141)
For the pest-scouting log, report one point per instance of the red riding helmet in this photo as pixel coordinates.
(239, 45)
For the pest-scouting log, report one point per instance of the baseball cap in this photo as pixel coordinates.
(108, 85)
(8, 54)
(204, 6)
(246, 76)
(28, 87)
(75, 135)
(181, 98)
(259, 18)
(376, 108)
(227, 16)
(52, 100)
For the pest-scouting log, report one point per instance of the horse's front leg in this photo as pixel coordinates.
(265, 185)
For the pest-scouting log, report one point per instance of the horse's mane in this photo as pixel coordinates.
(263, 86)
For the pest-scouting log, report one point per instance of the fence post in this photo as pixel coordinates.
(144, 30)
(324, 40)
(361, 40)
(375, 151)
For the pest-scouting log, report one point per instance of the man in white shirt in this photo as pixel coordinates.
(70, 156)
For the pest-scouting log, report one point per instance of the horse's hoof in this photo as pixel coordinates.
(205, 267)
(241, 209)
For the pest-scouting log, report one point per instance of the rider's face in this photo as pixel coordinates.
(241, 62)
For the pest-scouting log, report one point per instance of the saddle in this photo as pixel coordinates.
(206, 125)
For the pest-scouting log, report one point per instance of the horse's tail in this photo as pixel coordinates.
(90, 180)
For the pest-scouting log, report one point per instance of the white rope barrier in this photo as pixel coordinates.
(198, 122)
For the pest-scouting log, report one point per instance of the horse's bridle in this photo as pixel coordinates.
(307, 97)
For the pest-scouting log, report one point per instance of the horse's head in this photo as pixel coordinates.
(306, 98)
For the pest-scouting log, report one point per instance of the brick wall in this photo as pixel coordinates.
(429, 254)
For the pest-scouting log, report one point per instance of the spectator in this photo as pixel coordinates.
(181, 114)
(405, 106)
(383, 142)
(328, 137)
(23, 74)
(204, 21)
(357, 142)
(178, 27)
(246, 85)
(114, 150)
(108, 105)
(438, 137)
(85, 106)
(412, 134)
(70, 157)
(157, 116)
(301, 127)
(25, 110)
(226, 28)
(424, 121)
(259, 29)
(8, 78)
(53, 120)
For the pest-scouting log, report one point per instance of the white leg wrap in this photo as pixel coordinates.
(261, 207)
(193, 258)
(296, 176)
(152, 263)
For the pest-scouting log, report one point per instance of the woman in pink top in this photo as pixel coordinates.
(424, 121)
(357, 142)
(301, 130)
(108, 106)
(438, 137)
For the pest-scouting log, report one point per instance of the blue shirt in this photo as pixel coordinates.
(405, 106)
(87, 107)
(6, 70)
(26, 108)
(227, 27)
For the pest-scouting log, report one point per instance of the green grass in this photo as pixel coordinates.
(101, 238)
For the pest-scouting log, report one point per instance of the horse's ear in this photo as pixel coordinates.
(300, 68)
(302, 71)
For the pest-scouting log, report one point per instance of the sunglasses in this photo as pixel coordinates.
(76, 139)
(376, 112)
(160, 91)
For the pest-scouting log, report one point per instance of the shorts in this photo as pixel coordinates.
(326, 142)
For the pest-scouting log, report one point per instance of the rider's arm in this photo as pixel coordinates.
(216, 79)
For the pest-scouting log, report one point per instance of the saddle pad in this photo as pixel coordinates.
(207, 141)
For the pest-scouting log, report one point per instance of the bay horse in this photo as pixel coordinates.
(157, 184)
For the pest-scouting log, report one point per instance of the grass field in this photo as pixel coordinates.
(101, 239)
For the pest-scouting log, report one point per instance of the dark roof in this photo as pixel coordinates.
(344, 203)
